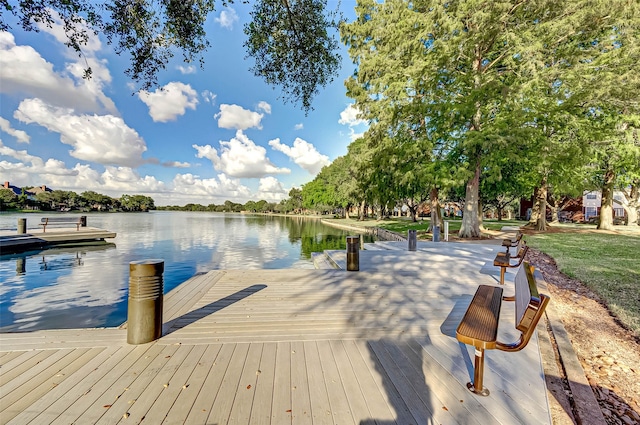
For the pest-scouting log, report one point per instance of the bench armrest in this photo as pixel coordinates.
(527, 325)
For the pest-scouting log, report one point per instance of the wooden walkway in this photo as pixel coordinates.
(284, 346)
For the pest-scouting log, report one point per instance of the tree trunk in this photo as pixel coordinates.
(436, 214)
(606, 208)
(535, 209)
(480, 215)
(362, 211)
(541, 206)
(412, 212)
(555, 208)
(470, 225)
(633, 204)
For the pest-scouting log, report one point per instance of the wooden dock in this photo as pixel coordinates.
(287, 346)
(12, 242)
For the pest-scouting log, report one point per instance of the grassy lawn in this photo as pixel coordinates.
(609, 264)
(401, 225)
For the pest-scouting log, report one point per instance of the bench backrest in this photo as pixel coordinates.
(530, 306)
(521, 249)
(60, 220)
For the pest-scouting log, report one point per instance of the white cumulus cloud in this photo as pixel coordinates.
(208, 96)
(185, 70)
(240, 157)
(270, 189)
(264, 106)
(349, 116)
(20, 135)
(227, 18)
(32, 170)
(25, 72)
(168, 102)
(187, 187)
(236, 117)
(176, 164)
(105, 139)
(303, 154)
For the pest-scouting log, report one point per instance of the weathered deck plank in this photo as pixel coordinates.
(211, 386)
(63, 363)
(300, 398)
(281, 411)
(357, 402)
(92, 401)
(247, 387)
(377, 403)
(179, 383)
(223, 402)
(421, 413)
(180, 301)
(56, 402)
(186, 399)
(320, 405)
(149, 387)
(263, 398)
(340, 409)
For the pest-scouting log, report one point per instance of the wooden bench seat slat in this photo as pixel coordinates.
(479, 326)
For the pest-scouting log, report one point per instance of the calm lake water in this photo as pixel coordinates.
(79, 287)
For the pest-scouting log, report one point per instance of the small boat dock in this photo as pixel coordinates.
(35, 239)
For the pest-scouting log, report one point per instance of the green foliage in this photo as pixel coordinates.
(499, 94)
(136, 203)
(606, 263)
(292, 46)
(7, 199)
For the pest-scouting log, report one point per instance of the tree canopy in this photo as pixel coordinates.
(291, 41)
(489, 82)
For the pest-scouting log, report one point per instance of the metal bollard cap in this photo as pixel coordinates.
(149, 267)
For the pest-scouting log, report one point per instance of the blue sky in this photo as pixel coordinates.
(211, 135)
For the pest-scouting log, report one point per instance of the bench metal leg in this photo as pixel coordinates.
(476, 386)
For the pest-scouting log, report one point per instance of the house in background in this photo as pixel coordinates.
(30, 193)
(15, 189)
(592, 201)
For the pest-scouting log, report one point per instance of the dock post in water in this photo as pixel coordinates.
(353, 253)
(413, 239)
(22, 226)
(146, 288)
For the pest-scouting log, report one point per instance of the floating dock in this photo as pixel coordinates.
(12, 242)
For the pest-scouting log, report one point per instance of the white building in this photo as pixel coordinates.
(592, 201)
